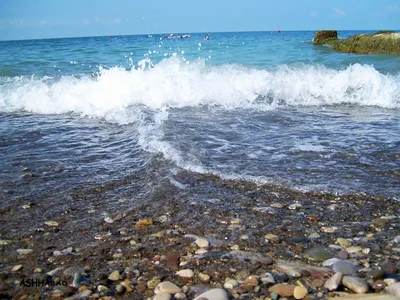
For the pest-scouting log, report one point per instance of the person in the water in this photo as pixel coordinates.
(207, 37)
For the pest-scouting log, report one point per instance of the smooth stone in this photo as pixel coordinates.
(394, 289)
(102, 288)
(300, 292)
(330, 262)
(355, 284)
(162, 296)
(79, 280)
(180, 296)
(114, 276)
(344, 267)
(268, 278)
(24, 251)
(252, 256)
(274, 296)
(52, 223)
(318, 254)
(317, 283)
(397, 239)
(286, 290)
(167, 287)
(250, 282)
(271, 237)
(314, 236)
(202, 243)
(204, 277)
(343, 242)
(375, 274)
(333, 282)
(16, 268)
(213, 294)
(152, 284)
(342, 254)
(378, 285)
(231, 283)
(83, 294)
(120, 288)
(5, 242)
(187, 273)
(353, 249)
(280, 277)
(72, 270)
(173, 260)
(293, 273)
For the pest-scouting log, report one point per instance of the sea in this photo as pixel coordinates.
(137, 116)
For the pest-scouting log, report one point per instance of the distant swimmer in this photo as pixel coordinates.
(207, 37)
(172, 36)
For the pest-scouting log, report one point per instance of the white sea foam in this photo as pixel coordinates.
(176, 83)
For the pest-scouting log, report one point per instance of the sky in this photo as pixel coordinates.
(35, 19)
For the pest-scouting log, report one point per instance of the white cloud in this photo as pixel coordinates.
(116, 21)
(313, 13)
(339, 13)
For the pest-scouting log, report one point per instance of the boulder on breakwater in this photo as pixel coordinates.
(382, 42)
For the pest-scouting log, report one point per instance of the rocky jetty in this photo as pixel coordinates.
(382, 42)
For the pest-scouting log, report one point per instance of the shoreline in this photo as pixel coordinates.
(124, 250)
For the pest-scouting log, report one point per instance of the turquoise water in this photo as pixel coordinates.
(264, 107)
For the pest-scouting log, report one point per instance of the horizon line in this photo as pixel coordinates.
(196, 32)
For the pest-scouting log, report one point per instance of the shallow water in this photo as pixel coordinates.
(81, 113)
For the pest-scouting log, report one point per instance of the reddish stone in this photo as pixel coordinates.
(283, 289)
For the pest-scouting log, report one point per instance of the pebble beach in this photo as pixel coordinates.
(249, 165)
(267, 242)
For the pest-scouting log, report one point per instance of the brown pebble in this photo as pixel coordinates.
(173, 260)
(378, 285)
(317, 283)
(250, 283)
(141, 287)
(299, 250)
(283, 289)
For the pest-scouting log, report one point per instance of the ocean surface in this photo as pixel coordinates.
(136, 113)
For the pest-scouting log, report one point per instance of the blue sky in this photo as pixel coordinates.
(32, 19)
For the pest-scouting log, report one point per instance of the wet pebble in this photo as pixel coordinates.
(153, 283)
(293, 273)
(375, 274)
(344, 267)
(16, 268)
(330, 262)
(318, 254)
(357, 285)
(202, 243)
(343, 242)
(394, 289)
(186, 273)
(231, 283)
(379, 285)
(300, 292)
(114, 276)
(281, 289)
(52, 223)
(213, 294)
(167, 287)
(333, 282)
(24, 251)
